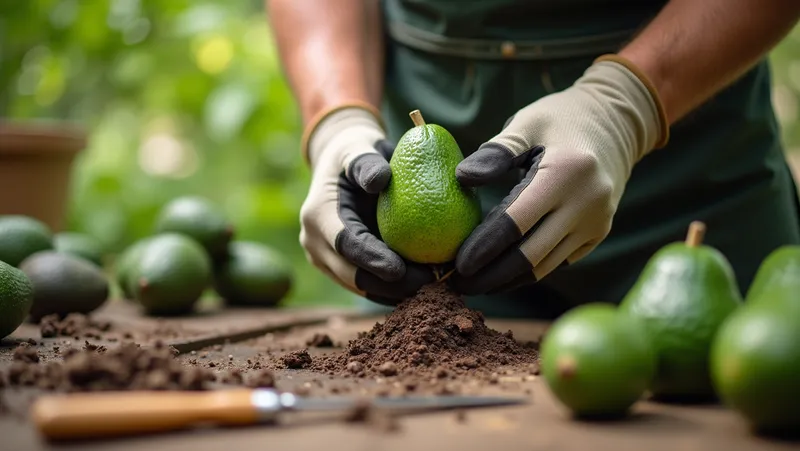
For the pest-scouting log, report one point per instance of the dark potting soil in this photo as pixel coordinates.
(431, 335)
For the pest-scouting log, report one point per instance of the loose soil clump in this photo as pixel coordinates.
(320, 341)
(431, 335)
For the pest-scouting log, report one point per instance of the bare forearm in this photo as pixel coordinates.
(693, 49)
(331, 51)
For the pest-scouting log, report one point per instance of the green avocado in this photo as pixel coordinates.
(64, 284)
(21, 236)
(80, 245)
(254, 274)
(198, 219)
(755, 363)
(685, 291)
(16, 298)
(425, 214)
(597, 361)
(124, 264)
(170, 274)
(780, 270)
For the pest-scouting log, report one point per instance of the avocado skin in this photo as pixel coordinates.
(170, 274)
(124, 264)
(16, 298)
(254, 274)
(780, 270)
(199, 219)
(21, 236)
(64, 284)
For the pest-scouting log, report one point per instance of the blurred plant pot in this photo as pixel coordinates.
(36, 160)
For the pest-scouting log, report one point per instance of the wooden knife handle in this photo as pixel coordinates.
(94, 415)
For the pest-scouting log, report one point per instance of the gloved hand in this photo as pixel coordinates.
(578, 147)
(348, 153)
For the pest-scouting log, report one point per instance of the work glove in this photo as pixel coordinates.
(577, 148)
(349, 158)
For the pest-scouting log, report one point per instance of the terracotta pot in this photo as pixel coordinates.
(36, 168)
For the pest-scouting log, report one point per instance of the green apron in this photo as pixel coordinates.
(469, 65)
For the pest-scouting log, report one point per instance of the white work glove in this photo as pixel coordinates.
(349, 157)
(578, 147)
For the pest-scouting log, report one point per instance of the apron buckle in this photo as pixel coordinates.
(508, 49)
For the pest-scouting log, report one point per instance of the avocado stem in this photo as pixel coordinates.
(444, 276)
(696, 233)
(566, 367)
(416, 117)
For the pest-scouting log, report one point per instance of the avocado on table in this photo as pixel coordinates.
(199, 219)
(170, 274)
(64, 284)
(80, 245)
(253, 274)
(780, 270)
(683, 294)
(125, 261)
(425, 214)
(597, 361)
(16, 298)
(755, 363)
(21, 236)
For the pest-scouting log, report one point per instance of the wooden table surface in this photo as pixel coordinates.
(541, 424)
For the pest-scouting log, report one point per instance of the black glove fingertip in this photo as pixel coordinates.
(414, 278)
(510, 270)
(371, 172)
(488, 163)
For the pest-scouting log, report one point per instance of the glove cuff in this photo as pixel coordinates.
(663, 122)
(327, 123)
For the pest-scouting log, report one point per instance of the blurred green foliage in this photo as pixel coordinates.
(187, 97)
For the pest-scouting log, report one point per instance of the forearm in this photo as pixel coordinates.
(331, 51)
(693, 49)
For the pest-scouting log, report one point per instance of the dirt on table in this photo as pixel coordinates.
(75, 325)
(95, 368)
(428, 339)
(431, 344)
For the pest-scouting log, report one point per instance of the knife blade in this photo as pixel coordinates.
(107, 414)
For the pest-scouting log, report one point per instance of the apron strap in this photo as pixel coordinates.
(508, 50)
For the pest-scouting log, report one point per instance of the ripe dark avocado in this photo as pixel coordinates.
(198, 219)
(254, 274)
(64, 284)
(21, 236)
(16, 298)
(684, 293)
(170, 274)
(80, 245)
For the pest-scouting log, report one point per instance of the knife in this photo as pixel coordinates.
(94, 415)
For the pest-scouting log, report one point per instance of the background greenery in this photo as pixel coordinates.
(187, 97)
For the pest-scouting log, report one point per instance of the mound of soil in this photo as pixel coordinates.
(431, 335)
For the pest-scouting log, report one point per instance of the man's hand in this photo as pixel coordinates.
(349, 154)
(578, 147)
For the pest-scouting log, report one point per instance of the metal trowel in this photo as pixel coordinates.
(95, 415)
